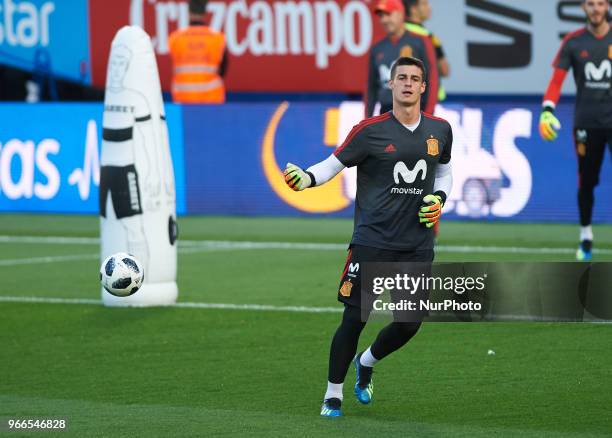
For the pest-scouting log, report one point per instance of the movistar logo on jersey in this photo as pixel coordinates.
(406, 191)
(598, 76)
(400, 170)
(409, 176)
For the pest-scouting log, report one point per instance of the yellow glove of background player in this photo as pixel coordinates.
(549, 125)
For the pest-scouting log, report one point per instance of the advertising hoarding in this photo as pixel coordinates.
(50, 157)
(46, 36)
(228, 160)
(502, 169)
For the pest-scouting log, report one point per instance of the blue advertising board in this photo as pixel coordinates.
(502, 169)
(49, 157)
(46, 36)
(228, 160)
(237, 154)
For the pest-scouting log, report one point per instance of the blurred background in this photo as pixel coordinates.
(312, 55)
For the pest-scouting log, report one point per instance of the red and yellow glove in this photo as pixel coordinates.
(431, 210)
(296, 178)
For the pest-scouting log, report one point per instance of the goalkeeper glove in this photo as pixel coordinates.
(430, 211)
(297, 179)
(549, 124)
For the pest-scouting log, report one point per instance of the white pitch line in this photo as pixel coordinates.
(47, 259)
(53, 240)
(235, 244)
(48, 300)
(260, 308)
(514, 249)
(228, 306)
(209, 244)
(190, 246)
(76, 257)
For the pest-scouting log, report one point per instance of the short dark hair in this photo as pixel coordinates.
(408, 60)
(410, 3)
(197, 6)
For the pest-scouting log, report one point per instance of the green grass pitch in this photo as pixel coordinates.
(230, 372)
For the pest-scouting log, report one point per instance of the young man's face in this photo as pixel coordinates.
(407, 85)
(596, 11)
(392, 22)
(423, 10)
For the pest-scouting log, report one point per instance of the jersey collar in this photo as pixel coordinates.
(404, 127)
(394, 39)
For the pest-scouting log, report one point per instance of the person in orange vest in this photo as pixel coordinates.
(199, 60)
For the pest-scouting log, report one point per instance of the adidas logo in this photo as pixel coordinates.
(390, 148)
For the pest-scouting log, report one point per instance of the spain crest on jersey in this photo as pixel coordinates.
(406, 51)
(345, 290)
(432, 146)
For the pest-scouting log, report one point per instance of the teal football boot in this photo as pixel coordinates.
(364, 388)
(331, 407)
(585, 251)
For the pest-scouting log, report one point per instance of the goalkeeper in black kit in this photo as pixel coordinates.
(588, 52)
(403, 178)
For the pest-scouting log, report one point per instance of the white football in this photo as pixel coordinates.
(121, 274)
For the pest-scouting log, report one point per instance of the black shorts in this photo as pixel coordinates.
(590, 149)
(122, 183)
(349, 291)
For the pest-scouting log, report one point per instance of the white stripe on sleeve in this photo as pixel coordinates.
(326, 169)
(444, 178)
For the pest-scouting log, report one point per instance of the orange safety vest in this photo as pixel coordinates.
(197, 52)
